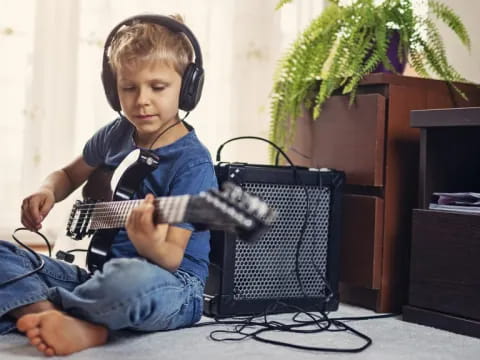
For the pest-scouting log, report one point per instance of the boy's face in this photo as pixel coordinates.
(149, 93)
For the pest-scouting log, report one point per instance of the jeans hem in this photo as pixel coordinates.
(9, 329)
(6, 309)
(23, 302)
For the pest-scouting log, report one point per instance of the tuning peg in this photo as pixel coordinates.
(232, 192)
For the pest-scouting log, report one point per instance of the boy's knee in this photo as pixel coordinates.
(5, 245)
(129, 274)
(8, 250)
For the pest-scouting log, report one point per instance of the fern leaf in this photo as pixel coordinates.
(446, 14)
(281, 3)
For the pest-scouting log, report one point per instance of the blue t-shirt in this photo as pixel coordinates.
(185, 167)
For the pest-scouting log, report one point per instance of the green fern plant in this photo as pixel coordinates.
(346, 42)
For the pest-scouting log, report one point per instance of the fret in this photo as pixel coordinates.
(110, 215)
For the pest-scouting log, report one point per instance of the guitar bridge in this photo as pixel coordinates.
(79, 221)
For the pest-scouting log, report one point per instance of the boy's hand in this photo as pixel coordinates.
(36, 207)
(142, 231)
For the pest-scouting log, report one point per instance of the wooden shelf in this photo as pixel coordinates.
(441, 321)
(444, 288)
(458, 117)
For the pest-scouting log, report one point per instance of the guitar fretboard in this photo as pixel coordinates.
(114, 214)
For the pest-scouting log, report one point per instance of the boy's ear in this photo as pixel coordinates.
(191, 88)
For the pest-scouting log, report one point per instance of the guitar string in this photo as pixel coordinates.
(165, 205)
(127, 205)
(107, 206)
(118, 220)
(116, 213)
(123, 210)
(115, 219)
(171, 209)
(107, 203)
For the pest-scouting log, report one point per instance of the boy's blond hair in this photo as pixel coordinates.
(145, 42)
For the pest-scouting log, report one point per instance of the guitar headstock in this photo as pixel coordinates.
(232, 209)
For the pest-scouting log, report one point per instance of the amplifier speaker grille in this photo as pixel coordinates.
(266, 269)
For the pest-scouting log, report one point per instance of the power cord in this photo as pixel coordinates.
(254, 325)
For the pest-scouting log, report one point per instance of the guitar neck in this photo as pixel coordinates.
(230, 210)
(114, 214)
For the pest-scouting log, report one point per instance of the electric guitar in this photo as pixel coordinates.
(231, 209)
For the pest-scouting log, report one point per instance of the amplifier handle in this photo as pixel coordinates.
(280, 151)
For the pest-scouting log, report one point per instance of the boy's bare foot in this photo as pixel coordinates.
(55, 333)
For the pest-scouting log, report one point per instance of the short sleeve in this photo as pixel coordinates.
(193, 180)
(110, 144)
(95, 149)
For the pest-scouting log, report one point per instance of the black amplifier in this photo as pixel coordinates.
(296, 262)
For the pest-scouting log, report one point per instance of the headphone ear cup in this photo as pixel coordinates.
(191, 89)
(110, 86)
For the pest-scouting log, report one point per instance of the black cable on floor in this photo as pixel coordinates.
(37, 256)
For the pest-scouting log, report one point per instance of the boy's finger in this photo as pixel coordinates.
(147, 213)
(45, 208)
(149, 198)
(29, 224)
(33, 208)
(26, 217)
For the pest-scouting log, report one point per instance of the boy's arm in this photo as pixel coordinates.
(162, 244)
(56, 187)
(64, 181)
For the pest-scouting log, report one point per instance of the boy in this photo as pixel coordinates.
(155, 278)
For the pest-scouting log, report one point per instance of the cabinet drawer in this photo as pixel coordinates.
(352, 138)
(445, 266)
(361, 242)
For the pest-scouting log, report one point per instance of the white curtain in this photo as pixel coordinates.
(50, 61)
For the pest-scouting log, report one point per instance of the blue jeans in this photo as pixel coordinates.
(129, 293)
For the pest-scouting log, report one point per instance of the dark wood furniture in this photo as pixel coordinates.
(444, 289)
(372, 141)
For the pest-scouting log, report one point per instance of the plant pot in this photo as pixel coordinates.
(392, 54)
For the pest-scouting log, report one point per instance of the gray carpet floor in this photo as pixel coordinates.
(392, 339)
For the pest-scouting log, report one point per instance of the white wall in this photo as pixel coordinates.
(468, 64)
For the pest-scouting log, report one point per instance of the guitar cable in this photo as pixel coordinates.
(33, 252)
(67, 255)
(61, 255)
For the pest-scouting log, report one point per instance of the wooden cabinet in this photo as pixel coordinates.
(444, 288)
(373, 142)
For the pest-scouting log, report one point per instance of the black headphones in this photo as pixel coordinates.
(192, 80)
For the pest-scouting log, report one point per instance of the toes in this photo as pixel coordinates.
(27, 322)
(36, 340)
(42, 347)
(49, 351)
(32, 333)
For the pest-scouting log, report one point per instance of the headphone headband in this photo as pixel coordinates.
(192, 79)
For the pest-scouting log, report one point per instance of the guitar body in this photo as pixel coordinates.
(125, 181)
